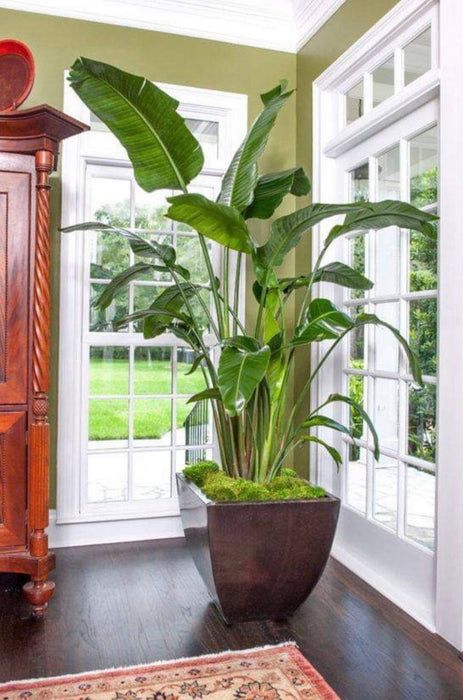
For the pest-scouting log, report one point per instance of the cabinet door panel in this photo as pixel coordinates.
(15, 222)
(12, 479)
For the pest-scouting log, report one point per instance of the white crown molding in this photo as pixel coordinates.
(281, 25)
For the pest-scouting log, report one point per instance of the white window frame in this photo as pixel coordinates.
(230, 111)
(444, 580)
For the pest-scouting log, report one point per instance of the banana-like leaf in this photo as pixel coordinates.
(276, 366)
(171, 300)
(195, 364)
(221, 223)
(326, 422)
(240, 178)
(334, 454)
(389, 212)
(366, 319)
(211, 393)
(241, 342)
(333, 398)
(272, 188)
(335, 273)
(324, 321)
(287, 231)
(162, 150)
(137, 271)
(239, 373)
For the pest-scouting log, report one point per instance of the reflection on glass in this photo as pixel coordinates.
(385, 491)
(194, 422)
(420, 505)
(359, 184)
(417, 57)
(386, 346)
(107, 477)
(108, 419)
(357, 342)
(422, 422)
(152, 370)
(152, 421)
(357, 256)
(386, 412)
(189, 255)
(383, 82)
(188, 383)
(109, 370)
(207, 133)
(423, 168)
(423, 333)
(354, 103)
(423, 262)
(151, 472)
(150, 209)
(103, 319)
(389, 174)
(357, 392)
(357, 479)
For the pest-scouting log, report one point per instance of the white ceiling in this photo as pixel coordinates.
(284, 25)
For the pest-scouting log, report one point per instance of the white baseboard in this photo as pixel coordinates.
(400, 598)
(107, 532)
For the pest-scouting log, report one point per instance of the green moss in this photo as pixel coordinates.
(217, 486)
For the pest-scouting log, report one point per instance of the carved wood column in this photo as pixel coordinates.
(38, 591)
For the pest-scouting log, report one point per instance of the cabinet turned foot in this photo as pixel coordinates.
(37, 593)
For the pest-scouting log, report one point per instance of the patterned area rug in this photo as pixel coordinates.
(267, 673)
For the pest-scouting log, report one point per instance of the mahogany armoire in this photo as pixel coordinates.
(29, 143)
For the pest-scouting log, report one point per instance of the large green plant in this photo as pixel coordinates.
(257, 425)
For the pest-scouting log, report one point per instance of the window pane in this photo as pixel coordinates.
(159, 239)
(184, 457)
(420, 505)
(423, 262)
(151, 474)
(109, 254)
(387, 259)
(108, 420)
(143, 297)
(385, 501)
(107, 477)
(354, 103)
(357, 392)
(357, 479)
(102, 320)
(189, 254)
(383, 82)
(357, 342)
(389, 174)
(386, 346)
(152, 421)
(152, 370)
(207, 133)
(109, 370)
(110, 201)
(357, 256)
(417, 57)
(422, 422)
(188, 383)
(193, 422)
(423, 333)
(150, 208)
(423, 168)
(359, 184)
(386, 413)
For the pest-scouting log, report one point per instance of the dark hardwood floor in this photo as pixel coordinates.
(124, 604)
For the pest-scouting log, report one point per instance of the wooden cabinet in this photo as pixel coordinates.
(29, 141)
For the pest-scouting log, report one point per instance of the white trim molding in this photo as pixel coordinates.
(281, 25)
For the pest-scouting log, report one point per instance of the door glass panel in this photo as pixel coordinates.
(387, 260)
(357, 478)
(423, 168)
(107, 477)
(386, 345)
(357, 392)
(389, 174)
(420, 505)
(386, 414)
(354, 103)
(357, 342)
(422, 422)
(385, 491)
(357, 258)
(109, 370)
(417, 57)
(423, 333)
(422, 262)
(151, 474)
(360, 184)
(383, 82)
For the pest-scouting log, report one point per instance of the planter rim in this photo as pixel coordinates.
(329, 497)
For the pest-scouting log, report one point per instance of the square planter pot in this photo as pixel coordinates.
(258, 560)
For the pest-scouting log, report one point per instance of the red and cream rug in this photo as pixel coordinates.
(267, 673)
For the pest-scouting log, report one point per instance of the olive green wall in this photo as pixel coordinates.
(56, 42)
(343, 29)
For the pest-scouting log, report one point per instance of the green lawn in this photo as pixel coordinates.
(109, 418)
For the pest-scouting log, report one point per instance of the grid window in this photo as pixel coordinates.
(398, 490)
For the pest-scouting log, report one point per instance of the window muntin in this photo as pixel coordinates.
(398, 491)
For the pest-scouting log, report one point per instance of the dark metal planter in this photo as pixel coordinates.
(261, 560)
